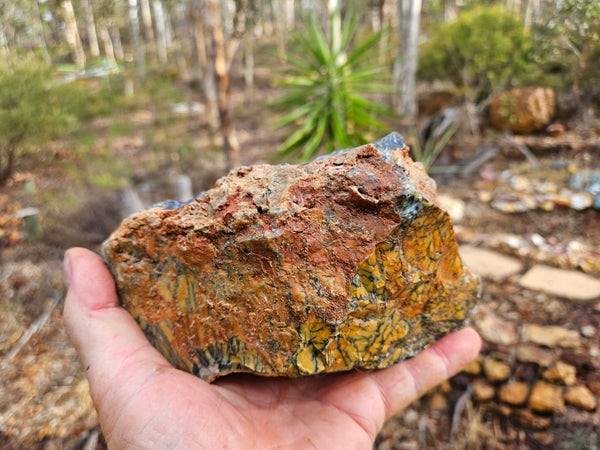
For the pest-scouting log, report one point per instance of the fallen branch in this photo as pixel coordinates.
(483, 156)
(458, 410)
(34, 327)
(90, 442)
(523, 149)
(547, 143)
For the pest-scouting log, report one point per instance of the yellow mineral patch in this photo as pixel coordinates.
(308, 361)
(182, 293)
(165, 289)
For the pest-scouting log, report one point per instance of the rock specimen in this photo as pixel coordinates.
(345, 262)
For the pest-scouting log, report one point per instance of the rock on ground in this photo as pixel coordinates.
(514, 393)
(551, 336)
(562, 283)
(522, 110)
(546, 398)
(489, 264)
(581, 397)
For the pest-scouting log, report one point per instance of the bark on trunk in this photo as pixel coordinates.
(532, 13)
(72, 34)
(45, 53)
(91, 28)
(204, 69)
(4, 48)
(230, 144)
(137, 44)
(107, 44)
(161, 31)
(410, 14)
(117, 43)
(147, 22)
(248, 45)
(7, 160)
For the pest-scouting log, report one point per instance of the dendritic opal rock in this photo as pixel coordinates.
(345, 262)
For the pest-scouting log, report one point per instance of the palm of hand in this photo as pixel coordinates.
(143, 402)
(173, 409)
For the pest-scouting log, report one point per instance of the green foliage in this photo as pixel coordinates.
(36, 106)
(427, 152)
(568, 44)
(30, 112)
(484, 49)
(87, 99)
(325, 90)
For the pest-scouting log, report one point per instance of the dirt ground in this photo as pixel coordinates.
(44, 399)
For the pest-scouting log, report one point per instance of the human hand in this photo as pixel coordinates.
(143, 402)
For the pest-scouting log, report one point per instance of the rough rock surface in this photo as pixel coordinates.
(522, 110)
(345, 262)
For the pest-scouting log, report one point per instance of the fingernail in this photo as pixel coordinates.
(67, 269)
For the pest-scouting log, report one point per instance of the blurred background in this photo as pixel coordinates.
(109, 106)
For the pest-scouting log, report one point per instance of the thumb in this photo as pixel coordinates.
(116, 355)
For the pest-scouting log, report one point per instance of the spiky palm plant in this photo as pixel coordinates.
(325, 90)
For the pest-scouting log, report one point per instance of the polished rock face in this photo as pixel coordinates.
(291, 270)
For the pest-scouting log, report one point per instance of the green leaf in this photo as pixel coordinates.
(325, 99)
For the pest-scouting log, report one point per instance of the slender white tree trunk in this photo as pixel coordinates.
(161, 30)
(230, 142)
(450, 11)
(410, 15)
(107, 44)
(91, 28)
(117, 43)
(134, 22)
(72, 33)
(204, 69)
(335, 16)
(248, 47)
(532, 13)
(4, 48)
(147, 22)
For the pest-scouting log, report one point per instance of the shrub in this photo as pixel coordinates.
(30, 112)
(568, 45)
(484, 49)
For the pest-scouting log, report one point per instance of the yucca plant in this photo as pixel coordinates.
(325, 90)
(427, 152)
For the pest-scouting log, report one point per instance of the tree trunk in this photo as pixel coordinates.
(91, 28)
(532, 13)
(289, 9)
(117, 43)
(72, 33)
(450, 10)
(4, 48)
(248, 44)
(7, 160)
(161, 31)
(410, 14)
(147, 22)
(204, 69)
(238, 30)
(45, 53)
(277, 12)
(107, 44)
(137, 44)
(335, 17)
(230, 144)
(513, 6)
